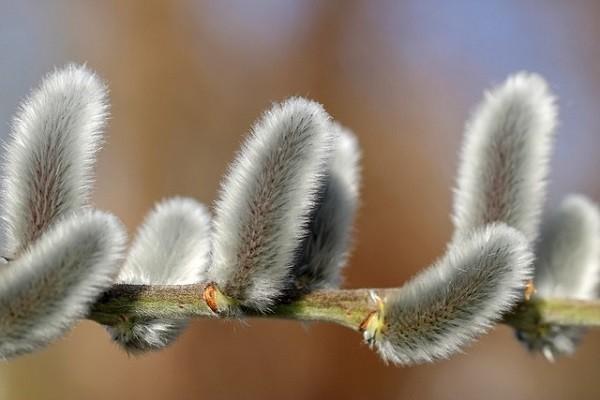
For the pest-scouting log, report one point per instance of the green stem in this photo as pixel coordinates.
(349, 308)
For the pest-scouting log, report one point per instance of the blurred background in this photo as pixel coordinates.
(187, 80)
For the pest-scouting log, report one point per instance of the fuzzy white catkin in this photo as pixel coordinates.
(567, 266)
(172, 247)
(325, 248)
(505, 156)
(446, 306)
(50, 155)
(265, 202)
(568, 255)
(52, 284)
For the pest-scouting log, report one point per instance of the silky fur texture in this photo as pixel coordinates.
(325, 248)
(54, 281)
(457, 299)
(266, 200)
(172, 247)
(567, 266)
(505, 156)
(50, 155)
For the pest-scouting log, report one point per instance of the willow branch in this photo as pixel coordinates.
(349, 308)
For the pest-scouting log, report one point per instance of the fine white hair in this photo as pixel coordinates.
(325, 249)
(52, 284)
(49, 158)
(568, 254)
(265, 202)
(445, 307)
(505, 157)
(172, 247)
(568, 267)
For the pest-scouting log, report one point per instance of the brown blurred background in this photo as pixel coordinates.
(188, 78)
